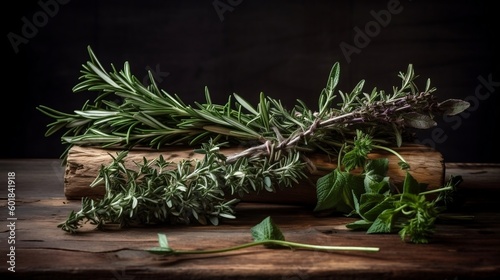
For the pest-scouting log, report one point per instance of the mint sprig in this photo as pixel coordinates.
(266, 233)
(380, 207)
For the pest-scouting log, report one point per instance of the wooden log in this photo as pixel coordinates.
(83, 164)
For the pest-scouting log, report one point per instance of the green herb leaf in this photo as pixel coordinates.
(164, 248)
(452, 107)
(383, 223)
(412, 186)
(418, 120)
(267, 230)
(334, 191)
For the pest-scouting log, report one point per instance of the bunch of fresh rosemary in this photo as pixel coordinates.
(148, 116)
(277, 139)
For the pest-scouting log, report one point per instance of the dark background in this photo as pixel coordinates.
(282, 48)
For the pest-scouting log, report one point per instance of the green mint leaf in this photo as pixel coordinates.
(383, 223)
(356, 204)
(267, 230)
(335, 190)
(381, 187)
(359, 225)
(328, 195)
(378, 166)
(369, 200)
(412, 186)
(372, 212)
(375, 175)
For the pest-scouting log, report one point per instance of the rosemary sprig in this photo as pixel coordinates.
(148, 116)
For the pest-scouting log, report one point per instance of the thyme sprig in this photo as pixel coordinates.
(157, 191)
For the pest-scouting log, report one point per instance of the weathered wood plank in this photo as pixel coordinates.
(94, 253)
(460, 250)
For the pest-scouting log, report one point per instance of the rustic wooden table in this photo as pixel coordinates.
(463, 250)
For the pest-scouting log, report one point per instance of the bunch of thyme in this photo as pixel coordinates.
(158, 191)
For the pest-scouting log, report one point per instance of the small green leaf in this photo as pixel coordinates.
(359, 225)
(134, 202)
(404, 165)
(378, 166)
(383, 223)
(333, 78)
(419, 121)
(267, 230)
(227, 216)
(335, 190)
(452, 107)
(375, 175)
(214, 220)
(163, 249)
(412, 186)
(327, 195)
(397, 135)
(163, 240)
(264, 111)
(372, 211)
(245, 104)
(268, 184)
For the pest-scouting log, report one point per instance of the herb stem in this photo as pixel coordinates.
(292, 245)
(390, 150)
(448, 188)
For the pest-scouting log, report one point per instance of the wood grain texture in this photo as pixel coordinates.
(83, 164)
(458, 250)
